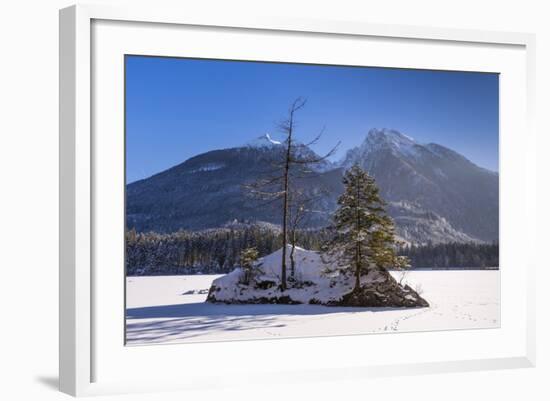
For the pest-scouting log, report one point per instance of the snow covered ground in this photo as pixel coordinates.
(171, 309)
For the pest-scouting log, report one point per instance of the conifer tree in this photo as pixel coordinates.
(365, 234)
(248, 259)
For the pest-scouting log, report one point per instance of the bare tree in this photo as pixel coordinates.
(292, 165)
(302, 207)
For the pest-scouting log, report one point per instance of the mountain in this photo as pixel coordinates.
(433, 193)
(208, 190)
(301, 151)
(431, 178)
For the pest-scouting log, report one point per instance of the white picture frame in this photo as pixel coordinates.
(79, 314)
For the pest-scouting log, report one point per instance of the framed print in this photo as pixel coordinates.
(311, 184)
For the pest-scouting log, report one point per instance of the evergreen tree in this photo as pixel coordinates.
(248, 259)
(364, 237)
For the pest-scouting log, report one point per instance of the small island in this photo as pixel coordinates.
(312, 285)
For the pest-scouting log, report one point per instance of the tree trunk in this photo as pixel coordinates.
(292, 249)
(357, 245)
(357, 286)
(285, 203)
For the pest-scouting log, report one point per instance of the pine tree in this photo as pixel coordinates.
(365, 236)
(248, 259)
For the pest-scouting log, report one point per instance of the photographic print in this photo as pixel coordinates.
(275, 200)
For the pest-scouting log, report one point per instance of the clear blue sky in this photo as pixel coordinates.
(177, 108)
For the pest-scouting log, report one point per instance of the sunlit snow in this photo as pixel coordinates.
(166, 309)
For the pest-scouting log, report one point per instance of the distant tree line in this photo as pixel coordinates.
(205, 252)
(454, 254)
(217, 251)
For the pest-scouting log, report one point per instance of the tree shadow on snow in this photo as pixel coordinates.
(157, 324)
(206, 309)
(190, 327)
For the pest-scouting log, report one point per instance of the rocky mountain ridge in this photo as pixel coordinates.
(434, 194)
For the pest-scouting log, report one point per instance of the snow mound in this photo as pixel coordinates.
(314, 282)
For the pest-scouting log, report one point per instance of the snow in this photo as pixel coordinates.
(171, 309)
(207, 167)
(383, 138)
(300, 151)
(264, 141)
(310, 267)
(440, 172)
(268, 137)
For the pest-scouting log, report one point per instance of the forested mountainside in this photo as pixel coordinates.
(434, 194)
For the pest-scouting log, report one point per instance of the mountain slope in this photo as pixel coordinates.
(433, 178)
(209, 190)
(433, 193)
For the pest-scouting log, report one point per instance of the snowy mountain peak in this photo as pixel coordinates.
(272, 141)
(381, 139)
(262, 141)
(269, 143)
(377, 138)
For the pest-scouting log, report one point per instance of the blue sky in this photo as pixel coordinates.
(177, 108)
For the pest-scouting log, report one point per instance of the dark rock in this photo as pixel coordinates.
(385, 292)
(265, 284)
(302, 284)
(210, 297)
(285, 300)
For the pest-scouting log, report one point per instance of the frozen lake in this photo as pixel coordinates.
(168, 309)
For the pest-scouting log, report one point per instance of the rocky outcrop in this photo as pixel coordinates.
(312, 285)
(384, 293)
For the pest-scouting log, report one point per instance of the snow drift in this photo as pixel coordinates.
(312, 283)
